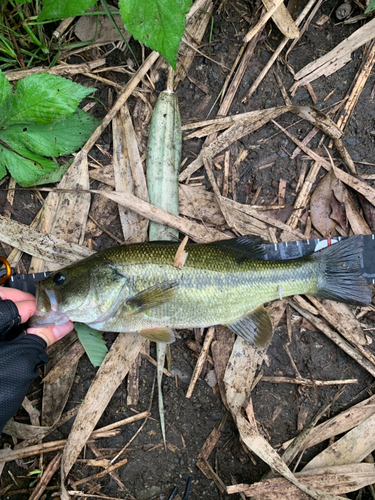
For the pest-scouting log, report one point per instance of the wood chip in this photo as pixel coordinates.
(283, 19)
(181, 255)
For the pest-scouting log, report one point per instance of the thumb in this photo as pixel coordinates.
(52, 333)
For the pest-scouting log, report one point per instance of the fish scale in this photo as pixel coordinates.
(213, 287)
(137, 288)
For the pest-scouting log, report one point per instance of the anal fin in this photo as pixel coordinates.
(255, 327)
(159, 335)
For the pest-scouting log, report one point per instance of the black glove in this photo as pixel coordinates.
(20, 356)
(9, 320)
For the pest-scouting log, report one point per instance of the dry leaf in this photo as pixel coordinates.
(368, 211)
(257, 443)
(39, 244)
(281, 214)
(338, 212)
(109, 376)
(104, 211)
(339, 424)
(100, 27)
(357, 184)
(351, 448)
(240, 372)
(320, 204)
(336, 58)
(283, 20)
(221, 349)
(336, 480)
(181, 255)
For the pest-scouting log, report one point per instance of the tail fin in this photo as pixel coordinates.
(339, 278)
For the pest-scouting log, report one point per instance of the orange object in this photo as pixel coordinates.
(8, 270)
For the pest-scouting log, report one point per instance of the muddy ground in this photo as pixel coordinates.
(152, 473)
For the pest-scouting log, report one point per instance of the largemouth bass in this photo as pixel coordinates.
(136, 288)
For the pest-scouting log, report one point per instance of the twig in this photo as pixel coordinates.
(287, 344)
(153, 362)
(62, 70)
(62, 27)
(101, 474)
(141, 427)
(297, 443)
(303, 195)
(260, 25)
(201, 360)
(204, 55)
(219, 198)
(358, 85)
(243, 65)
(325, 163)
(283, 91)
(336, 338)
(100, 226)
(113, 474)
(9, 455)
(304, 381)
(226, 173)
(276, 54)
(46, 477)
(131, 85)
(87, 495)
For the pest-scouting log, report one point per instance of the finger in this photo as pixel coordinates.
(15, 295)
(52, 333)
(26, 309)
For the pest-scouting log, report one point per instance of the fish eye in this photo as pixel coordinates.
(59, 278)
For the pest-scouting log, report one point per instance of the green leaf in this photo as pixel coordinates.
(55, 176)
(41, 119)
(370, 7)
(3, 170)
(58, 9)
(54, 139)
(26, 168)
(42, 99)
(5, 88)
(92, 342)
(159, 24)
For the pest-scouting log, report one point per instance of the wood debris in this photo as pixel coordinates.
(337, 201)
(181, 255)
(336, 58)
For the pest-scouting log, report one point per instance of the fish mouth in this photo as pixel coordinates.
(47, 307)
(43, 302)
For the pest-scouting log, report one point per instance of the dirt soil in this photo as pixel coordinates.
(151, 472)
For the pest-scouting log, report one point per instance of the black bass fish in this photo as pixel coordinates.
(136, 288)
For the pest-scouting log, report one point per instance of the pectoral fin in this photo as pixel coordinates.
(255, 327)
(159, 335)
(153, 296)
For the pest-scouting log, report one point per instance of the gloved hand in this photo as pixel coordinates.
(22, 349)
(16, 308)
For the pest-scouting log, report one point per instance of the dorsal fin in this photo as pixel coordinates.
(247, 247)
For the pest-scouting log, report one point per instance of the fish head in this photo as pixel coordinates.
(90, 291)
(64, 295)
